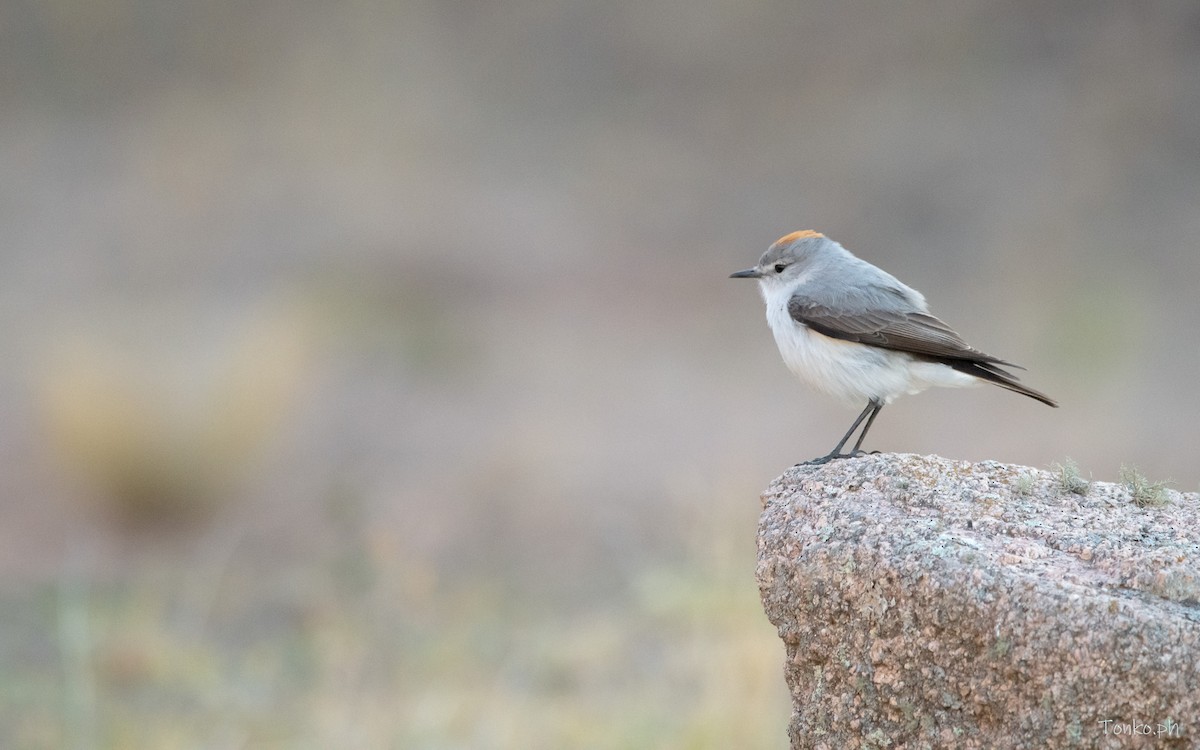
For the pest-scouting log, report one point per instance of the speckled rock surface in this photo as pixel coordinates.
(929, 603)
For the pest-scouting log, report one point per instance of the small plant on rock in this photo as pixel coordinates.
(1069, 478)
(1142, 491)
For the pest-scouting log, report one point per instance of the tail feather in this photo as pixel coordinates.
(994, 374)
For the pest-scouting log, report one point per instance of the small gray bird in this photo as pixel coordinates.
(857, 333)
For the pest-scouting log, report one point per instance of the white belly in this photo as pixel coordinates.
(851, 372)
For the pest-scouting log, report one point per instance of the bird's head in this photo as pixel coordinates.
(785, 259)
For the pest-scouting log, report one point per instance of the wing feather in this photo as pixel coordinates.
(905, 330)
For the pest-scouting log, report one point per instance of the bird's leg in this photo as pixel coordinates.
(873, 408)
(862, 435)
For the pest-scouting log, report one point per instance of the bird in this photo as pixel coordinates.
(857, 333)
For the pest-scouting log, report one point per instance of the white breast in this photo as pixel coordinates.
(851, 372)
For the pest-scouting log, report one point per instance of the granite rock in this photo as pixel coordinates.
(929, 603)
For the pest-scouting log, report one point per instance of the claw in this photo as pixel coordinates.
(833, 457)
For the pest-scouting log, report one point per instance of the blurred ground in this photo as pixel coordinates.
(371, 376)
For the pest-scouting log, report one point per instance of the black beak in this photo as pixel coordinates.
(749, 273)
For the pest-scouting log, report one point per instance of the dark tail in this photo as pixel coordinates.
(992, 373)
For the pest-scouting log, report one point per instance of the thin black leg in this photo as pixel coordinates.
(869, 414)
(862, 436)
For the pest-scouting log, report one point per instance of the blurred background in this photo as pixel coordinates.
(371, 377)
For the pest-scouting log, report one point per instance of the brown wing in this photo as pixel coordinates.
(916, 333)
(912, 332)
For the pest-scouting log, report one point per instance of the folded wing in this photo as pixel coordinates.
(884, 318)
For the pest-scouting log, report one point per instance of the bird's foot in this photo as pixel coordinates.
(835, 456)
(831, 457)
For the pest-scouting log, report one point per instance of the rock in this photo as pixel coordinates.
(929, 603)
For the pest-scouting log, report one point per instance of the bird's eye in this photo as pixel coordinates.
(779, 267)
